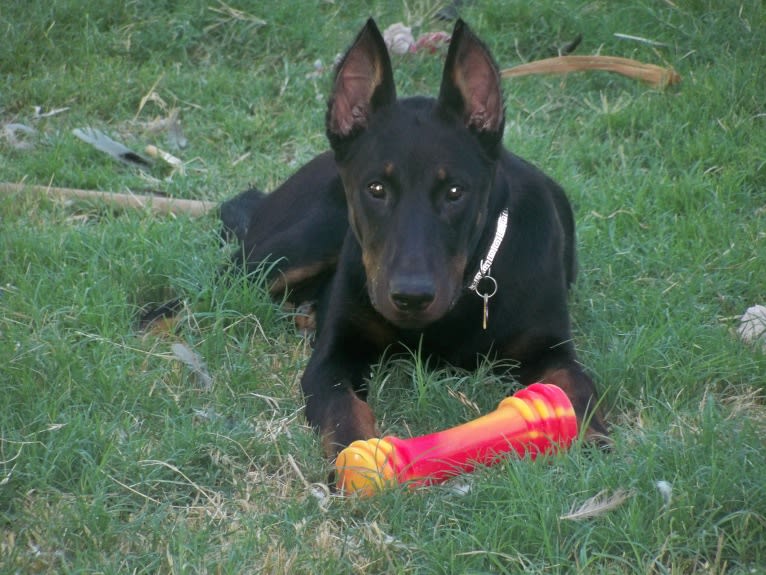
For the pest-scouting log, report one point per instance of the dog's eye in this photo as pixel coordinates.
(454, 193)
(377, 190)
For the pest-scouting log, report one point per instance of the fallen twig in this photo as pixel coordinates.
(168, 158)
(656, 75)
(156, 204)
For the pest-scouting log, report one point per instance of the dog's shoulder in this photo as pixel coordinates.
(531, 195)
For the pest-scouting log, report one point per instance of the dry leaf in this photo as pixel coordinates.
(195, 363)
(597, 505)
(11, 131)
(104, 143)
(398, 38)
(752, 326)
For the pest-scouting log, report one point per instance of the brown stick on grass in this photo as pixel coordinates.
(658, 76)
(156, 204)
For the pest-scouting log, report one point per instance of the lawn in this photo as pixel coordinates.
(116, 457)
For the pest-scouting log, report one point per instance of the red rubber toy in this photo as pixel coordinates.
(537, 419)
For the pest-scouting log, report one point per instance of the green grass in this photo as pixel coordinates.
(114, 460)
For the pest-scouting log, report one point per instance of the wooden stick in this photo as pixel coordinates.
(655, 75)
(156, 204)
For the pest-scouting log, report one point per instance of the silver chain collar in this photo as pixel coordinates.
(486, 265)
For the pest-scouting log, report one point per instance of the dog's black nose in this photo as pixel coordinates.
(412, 295)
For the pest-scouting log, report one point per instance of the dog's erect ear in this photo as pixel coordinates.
(471, 85)
(364, 82)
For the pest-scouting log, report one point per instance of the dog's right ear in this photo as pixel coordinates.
(364, 82)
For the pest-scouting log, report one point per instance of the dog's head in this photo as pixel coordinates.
(417, 172)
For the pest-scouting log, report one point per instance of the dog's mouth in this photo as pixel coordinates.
(411, 322)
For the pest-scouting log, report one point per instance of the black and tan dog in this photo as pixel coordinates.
(418, 229)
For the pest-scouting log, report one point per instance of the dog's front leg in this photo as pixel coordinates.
(333, 385)
(581, 391)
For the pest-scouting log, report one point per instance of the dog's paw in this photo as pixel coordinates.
(598, 438)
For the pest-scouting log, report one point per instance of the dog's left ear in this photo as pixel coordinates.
(471, 86)
(364, 82)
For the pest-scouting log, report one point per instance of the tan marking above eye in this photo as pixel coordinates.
(441, 174)
(388, 169)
